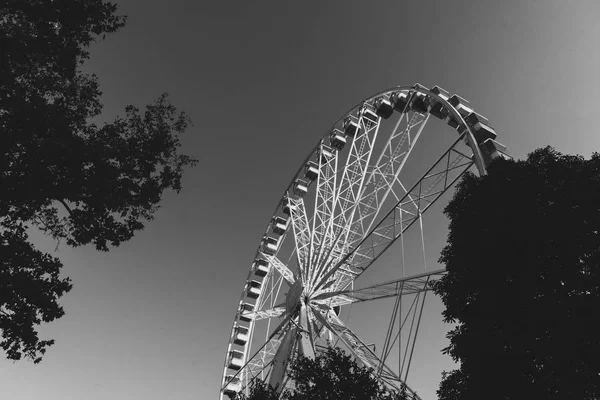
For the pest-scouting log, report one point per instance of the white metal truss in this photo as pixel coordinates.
(401, 287)
(283, 270)
(281, 358)
(258, 366)
(381, 181)
(385, 173)
(349, 190)
(363, 352)
(439, 178)
(361, 206)
(264, 314)
(301, 233)
(324, 206)
(324, 302)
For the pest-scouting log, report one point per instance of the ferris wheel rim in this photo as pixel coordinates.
(469, 135)
(417, 88)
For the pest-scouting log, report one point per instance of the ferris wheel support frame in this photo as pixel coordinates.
(328, 255)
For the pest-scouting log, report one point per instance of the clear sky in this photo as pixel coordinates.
(262, 82)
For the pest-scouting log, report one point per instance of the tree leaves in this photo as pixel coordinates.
(29, 288)
(331, 375)
(60, 173)
(523, 282)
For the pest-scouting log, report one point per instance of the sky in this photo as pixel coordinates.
(262, 82)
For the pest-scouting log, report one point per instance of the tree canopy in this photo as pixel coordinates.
(331, 375)
(61, 173)
(523, 281)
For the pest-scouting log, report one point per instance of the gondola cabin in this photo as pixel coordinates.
(462, 106)
(245, 308)
(270, 245)
(384, 108)
(233, 386)
(261, 267)
(300, 187)
(350, 127)
(240, 335)
(279, 225)
(337, 140)
(253, 290)
(311, 170)
(369, 115)
(400, 101)
(481, 127)
(235, 359)
(418, 103)
(492, 150)
(436, 108)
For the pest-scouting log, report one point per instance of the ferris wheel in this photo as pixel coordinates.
(345, 218)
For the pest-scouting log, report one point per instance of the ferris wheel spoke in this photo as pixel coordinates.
(269, 292)
(280, 267)
(302, 233)
(386, 171)
(354, 175)
(318, 333)
(381, 182)
(401, 287)
(324, 204)
(408, 211)
(438, 178)
(349, 187)
(274, 312)
(362, 351)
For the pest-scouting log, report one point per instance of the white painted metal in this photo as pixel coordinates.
(346, 205)
(281, 359)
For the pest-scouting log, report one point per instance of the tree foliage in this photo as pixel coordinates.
(523, 282)
(332, 375)
(77, 182)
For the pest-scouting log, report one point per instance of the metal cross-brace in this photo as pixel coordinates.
(283, 270)
(362, 351)
(438, 178)
(385, 173)
(277, 311)
(381, 181)
(409, 210)
(258, 365)
(329, 299)
(324, 205)
(351, 186)
(401, 287)
(301, 234)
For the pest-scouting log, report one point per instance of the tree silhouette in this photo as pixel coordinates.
(59, 172)
(523, 282)
(331, 375)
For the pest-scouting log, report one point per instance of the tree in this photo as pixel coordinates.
(59, 172)
(523, 281)
(332, 375)
(259, 390)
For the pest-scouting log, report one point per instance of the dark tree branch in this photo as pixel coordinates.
(50, 145)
